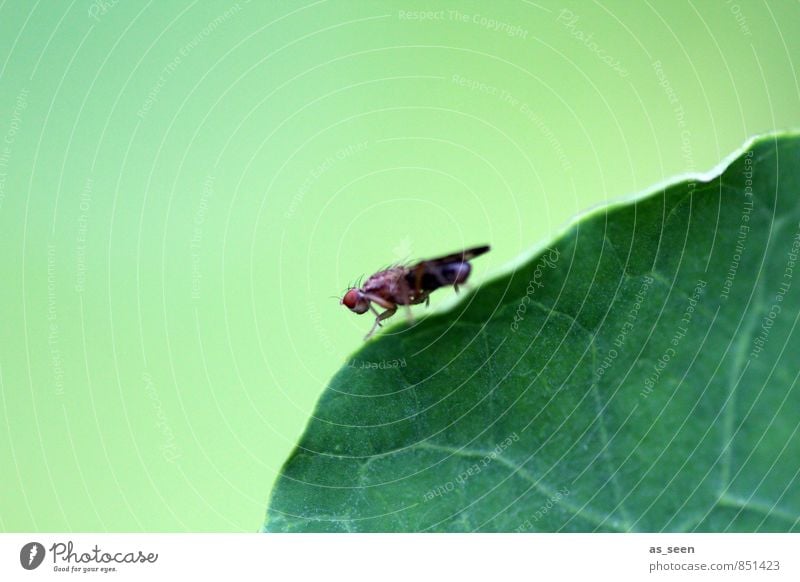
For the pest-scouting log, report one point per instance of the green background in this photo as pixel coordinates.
(185, 186)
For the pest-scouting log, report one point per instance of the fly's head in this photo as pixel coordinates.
(355, 301)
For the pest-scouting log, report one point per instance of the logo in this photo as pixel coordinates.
(31, 555)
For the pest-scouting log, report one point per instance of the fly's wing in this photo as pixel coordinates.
(434, 273)
(459, 257)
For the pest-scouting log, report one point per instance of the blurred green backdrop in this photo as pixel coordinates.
(184, 186)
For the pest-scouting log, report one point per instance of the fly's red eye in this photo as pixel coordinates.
(350, 298)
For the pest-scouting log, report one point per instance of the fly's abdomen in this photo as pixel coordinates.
(456, 273)
(437, 276)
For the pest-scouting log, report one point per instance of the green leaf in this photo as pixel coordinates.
(639, 374)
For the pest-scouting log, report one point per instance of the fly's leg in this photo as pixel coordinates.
(379, 300)
(410, 295)
(378, 318)
(409, 315)
(418, 278)
(387, 305)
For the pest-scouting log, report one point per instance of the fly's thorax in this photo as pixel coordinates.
(389, 284)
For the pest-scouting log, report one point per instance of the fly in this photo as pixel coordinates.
(409, 284)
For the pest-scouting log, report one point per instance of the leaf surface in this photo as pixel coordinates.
(639, 374)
